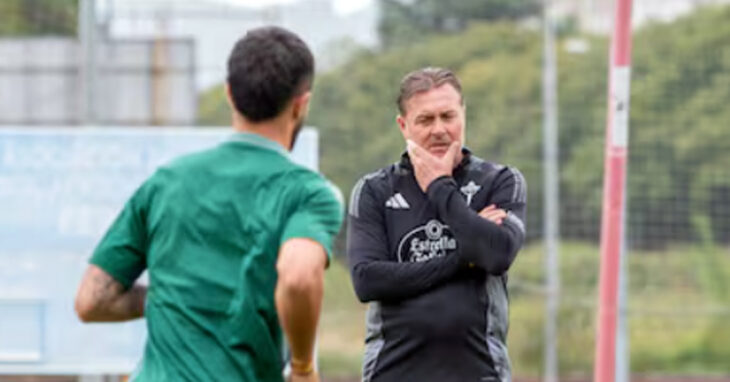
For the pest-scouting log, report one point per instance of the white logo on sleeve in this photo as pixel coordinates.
(470, 190)
(397, 202)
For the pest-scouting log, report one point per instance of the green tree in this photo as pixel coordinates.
(38, 17)
(679, 141)
(408, 21)
(213, 109)
(678, 174)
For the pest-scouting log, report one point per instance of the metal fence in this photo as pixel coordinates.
(678, 213)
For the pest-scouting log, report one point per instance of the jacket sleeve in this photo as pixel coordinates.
(487, 245)
(375, 276)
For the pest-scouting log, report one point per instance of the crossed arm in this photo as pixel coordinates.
(488, 239)
(374, 276)
(101, 298)
(377, 278)
(489, 244)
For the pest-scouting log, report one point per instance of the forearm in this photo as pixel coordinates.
(482, 242)
(128, 305)
(392, 281)
(103, 299)
(298, 308)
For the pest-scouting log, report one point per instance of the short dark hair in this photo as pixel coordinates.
(266, 69)
(425, 79)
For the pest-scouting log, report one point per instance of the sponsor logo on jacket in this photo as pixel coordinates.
(426, 242)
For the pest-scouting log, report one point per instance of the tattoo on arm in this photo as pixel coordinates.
(103, 299)
(104, 287)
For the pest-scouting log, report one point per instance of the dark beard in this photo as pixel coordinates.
(295, 134)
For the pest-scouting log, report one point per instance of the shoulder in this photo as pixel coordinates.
(497, 170)
(373, 185)
(510, 176)
(497, 175)
(308, 186)
(185, 168)
(299, 176)
(375, 180)
(194, 159)
(481, 166)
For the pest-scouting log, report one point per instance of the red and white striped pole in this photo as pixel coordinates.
(614, 186)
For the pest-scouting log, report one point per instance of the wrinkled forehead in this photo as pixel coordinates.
(435, 100)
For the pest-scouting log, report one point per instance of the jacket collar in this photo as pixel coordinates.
(405, 160)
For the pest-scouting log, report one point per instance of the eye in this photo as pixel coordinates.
(424, 120)
(448, 116)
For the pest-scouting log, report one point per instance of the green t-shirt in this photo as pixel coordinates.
(208, 228)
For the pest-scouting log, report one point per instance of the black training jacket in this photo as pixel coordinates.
(434, 271)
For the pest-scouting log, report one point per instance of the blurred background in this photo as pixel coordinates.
(160, 64)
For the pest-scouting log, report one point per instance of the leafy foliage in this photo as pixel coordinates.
(679, 180)
(38, 17)
(678, 186)
(404, 22)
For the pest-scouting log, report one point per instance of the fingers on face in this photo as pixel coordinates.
(452, 151)
(415, 151)
(410, 145)
(455, 147)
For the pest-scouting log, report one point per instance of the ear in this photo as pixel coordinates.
(463, 126)
(300, 106)
(402, 125)
(229, 97)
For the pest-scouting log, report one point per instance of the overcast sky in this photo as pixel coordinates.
(341, 6)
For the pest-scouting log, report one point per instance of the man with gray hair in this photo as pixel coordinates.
(430, 240)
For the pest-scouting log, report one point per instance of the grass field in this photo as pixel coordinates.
(678, 302)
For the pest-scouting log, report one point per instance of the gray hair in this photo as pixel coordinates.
(425, 79)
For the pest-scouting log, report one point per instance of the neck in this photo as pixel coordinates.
(273, 129)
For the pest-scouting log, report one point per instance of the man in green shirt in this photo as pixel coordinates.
(235, 239)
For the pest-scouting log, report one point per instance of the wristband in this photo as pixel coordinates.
(301, 367)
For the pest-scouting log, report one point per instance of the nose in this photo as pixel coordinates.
(439, 128)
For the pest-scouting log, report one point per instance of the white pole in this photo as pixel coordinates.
(551, 219)
(87, 74)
